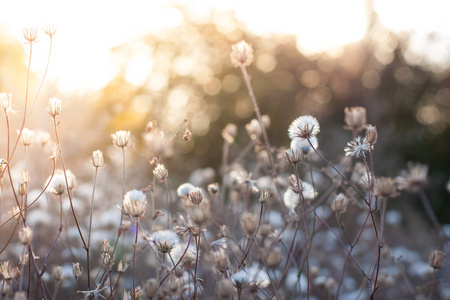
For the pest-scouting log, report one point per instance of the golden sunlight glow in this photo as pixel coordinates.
(88, 30)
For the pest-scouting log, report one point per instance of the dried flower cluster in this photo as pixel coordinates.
(274, 222)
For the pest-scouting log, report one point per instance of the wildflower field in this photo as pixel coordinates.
(275, 216)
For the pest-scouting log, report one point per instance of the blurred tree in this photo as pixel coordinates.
(185, 73)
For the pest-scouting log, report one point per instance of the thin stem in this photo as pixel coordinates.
(167, 203)
(67, 184)
(432, 216)
(179, 261)
(43, 78)
(303, 204)
(340, 174)
(254, 236)
(91, 211)
(75, 288)
(267, 270)
(134, 254)
(263, 130)
(196, 264)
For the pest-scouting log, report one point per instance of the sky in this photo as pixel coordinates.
(89, 29)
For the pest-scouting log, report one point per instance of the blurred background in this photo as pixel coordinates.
(118, 66)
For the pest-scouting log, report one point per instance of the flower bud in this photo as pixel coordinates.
(54, 107)
(437, 258)
(196, 196)
(57, 273)
(77, 270)
(97, 159)
(121, 138)
(160, 172)
(27, 137)
(249, 224)
(371, 134)
(355, 118)
(339, 204)
(274, 258)
(241, 54)
(25, 235)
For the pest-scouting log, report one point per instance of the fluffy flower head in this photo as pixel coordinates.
(134, 204)
(357, 147)
(241, 54)
(165, 240)
(304, 127)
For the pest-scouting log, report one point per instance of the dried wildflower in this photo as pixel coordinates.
(187, 135)
(223, 231)
(291, 199)
(23, 188)
(188, 227)
(26, 176)
(385, 187)
(14, 212)
(134, 204)
(241, 54)
(302, 145)
(7, 271)
(253, 277)
(150, 126)
(293, 156)
(249, 223)
(304, 127)
(221, 260)
(414, 179)
(357, 147)
(5, 102)
(151, 288)
(190, 256)
(121, 266)
(226, 289)
(107, 259)
(57, 273)
(25, 235)
(158, 144)
(371, 134)
(196, 196)
(30, 34)
(274, 257)
(339, 204)
(27, 137)
(54, 107)
(106, 246)
(3, 165)
(57, 184)
(160, 172)
(229, 133)
(97, 159)
(253, 128)
(213, 188)
(437, 258)
(184, 189)
(95, 293)
(121, 138)
(200, 214)
(76, 270)
(50, 30)
(265, 230)
(136, 293)
(165, 240)
(265, 195)
(355, 118)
